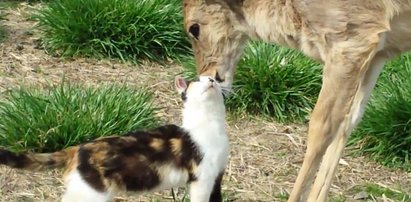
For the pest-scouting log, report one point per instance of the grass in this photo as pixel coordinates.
(9, 4)
(125, 29)
(385, 131)
(226, 197)
(28, 1)
(3, 31)
(283, 196)
(376, 192)
(69, 114)
(273, 81)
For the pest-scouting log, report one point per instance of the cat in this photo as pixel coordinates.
(147, 160)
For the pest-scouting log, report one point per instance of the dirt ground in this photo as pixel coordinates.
(265, 156)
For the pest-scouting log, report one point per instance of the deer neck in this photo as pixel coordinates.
(273, 21)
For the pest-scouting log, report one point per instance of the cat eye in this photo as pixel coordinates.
(194, 30)
(183, 96)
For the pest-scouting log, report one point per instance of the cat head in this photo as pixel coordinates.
(202, 92)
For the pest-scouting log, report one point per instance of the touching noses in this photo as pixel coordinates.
(213, 73)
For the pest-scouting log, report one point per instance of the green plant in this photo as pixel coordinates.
(71, 114)
(37, 1)
(272, 81)
(125, 29)
(3, 31)
(5, 4)
(385, 131)
(376, 191)
(337, 199)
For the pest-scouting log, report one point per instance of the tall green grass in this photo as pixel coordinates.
(377, 192)
(385, 131)
(272, 81)
(3, 31)
(28, 1)
(69, 114)
(125, 29)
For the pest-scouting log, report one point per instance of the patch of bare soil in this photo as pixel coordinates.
(265, 156)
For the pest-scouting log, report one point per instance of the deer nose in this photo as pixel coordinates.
(218, 78)
(213, 73)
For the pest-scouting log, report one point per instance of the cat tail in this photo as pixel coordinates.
(37, 161)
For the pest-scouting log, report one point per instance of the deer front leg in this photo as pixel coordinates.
(330, 161)
(344, 71)
(322, 129)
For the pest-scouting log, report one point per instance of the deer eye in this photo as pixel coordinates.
(194, 30)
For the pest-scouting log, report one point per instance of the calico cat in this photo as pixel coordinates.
(147, 160)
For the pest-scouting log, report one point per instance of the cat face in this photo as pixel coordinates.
(204, 90)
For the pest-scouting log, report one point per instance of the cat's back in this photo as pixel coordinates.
(140, 160)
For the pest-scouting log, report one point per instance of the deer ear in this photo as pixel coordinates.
(180, 84)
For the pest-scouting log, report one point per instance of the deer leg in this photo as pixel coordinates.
(344, 70)
(330, 161)
(320, 135)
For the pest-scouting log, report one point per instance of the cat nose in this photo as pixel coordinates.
(211, 80)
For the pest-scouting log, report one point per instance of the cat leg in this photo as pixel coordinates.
(77, 190)
(201, 189)
(216, 193)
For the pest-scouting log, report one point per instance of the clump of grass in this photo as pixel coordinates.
(376, 192)
(3, 31)
(6, 4)
(29, 1)
(385, 131)
(273, 81)
(125, 29)
(71, 114)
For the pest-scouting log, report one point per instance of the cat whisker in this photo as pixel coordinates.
(226, 91)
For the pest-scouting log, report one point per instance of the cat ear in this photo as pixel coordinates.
(181, 84)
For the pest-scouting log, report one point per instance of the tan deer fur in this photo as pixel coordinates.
(352, 38)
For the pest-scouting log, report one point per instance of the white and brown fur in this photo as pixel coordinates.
(147, 160)
(352, 38)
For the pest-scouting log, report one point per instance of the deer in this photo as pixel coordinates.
(352, 39)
